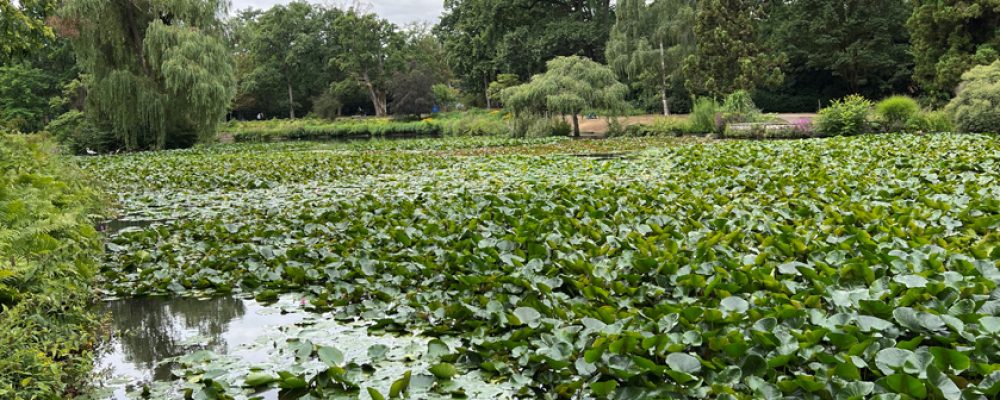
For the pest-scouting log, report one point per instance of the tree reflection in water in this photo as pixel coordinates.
(150, 330)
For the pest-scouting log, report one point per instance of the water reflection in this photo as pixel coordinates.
(148, 331)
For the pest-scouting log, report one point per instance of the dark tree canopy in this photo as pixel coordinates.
(488, 37)
(950, 37)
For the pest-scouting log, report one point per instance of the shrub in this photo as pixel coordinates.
(844, 117)
(50, 251)
(894, 113)
(703, 116)
(77, 134)
(739, 108)
(472, 123)
(930, 122)
(976, 107)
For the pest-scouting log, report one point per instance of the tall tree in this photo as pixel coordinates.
(285, 51)
(160, 73)
(569, 86)
(730, 55)
(950, 37)
(862, 43)
(488, 37)
(369, 50)
(649, 43)
(23, 28)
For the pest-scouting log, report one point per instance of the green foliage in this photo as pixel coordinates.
(976, 108)
(839, 48)
(894, 113)
(949, 37)
(931, 121)
(50, 250)
(703, 115)
(845, 117)
(24, 94)
(446, 96)
(77, 134)
(730, 55)
(319, 129)
(472, 123)
(740, 108)
(22, 27)
(503, 82)
(484, 37)
(369, 51)
(283, 55)
(569, 86)
(161, 75)
(682, 270)
(649, 42)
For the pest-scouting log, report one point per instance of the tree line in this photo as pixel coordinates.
(158, 73)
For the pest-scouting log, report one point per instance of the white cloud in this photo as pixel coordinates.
(398, 11)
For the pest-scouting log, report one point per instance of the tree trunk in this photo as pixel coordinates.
(378, 100)
(663, 81)
(576, 125)
(291, 102)
(486, 91)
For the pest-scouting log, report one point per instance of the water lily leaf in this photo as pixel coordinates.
(990, 325)
(734, 305)
(375, 395)
(945, 358)
(891, 360)
(400, 386)
(435, 348)
(603, 389)
(684, 363)
(330, 355)
(911, 281)
(942, 384)
(905, 384)
(527, 315)
(444, 371)
(256, 379)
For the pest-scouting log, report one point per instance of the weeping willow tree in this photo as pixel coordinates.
(570, 86)
(161, 75)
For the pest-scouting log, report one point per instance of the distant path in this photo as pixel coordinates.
(599, 127)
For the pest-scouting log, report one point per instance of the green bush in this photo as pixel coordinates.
(894, 113)
(738, 108)
(703, 116)
(77, 134)
(471, 123)
(50, 250)
(321, 129)
(845, 117)
(930, 122)
(976, 107)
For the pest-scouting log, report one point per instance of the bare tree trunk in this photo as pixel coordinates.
(291, 102)
(486, 90)
(663, 81)
(378, 100)
(576, 125)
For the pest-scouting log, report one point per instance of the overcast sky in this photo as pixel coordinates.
(398, 11)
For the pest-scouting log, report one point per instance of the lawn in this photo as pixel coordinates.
(626, 268)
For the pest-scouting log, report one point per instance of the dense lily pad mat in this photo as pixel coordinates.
(841, 268)
(49, 252)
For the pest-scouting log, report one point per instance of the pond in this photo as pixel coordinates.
(158, 345)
